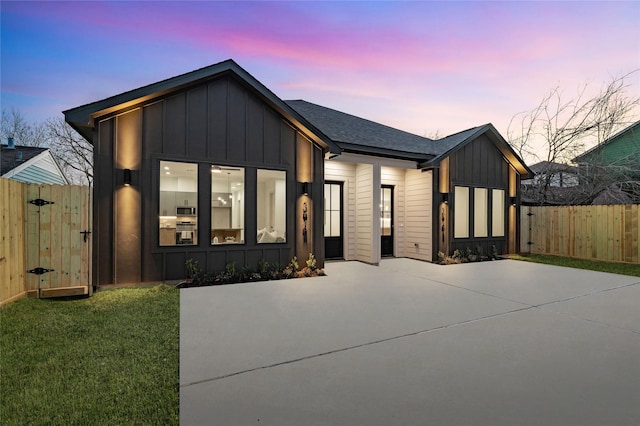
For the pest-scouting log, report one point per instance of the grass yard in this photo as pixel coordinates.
(110, 359)
(593, 265)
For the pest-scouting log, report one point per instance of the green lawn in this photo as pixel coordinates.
(110, 359)
(594, 265)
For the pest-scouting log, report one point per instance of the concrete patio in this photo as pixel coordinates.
(409, 343)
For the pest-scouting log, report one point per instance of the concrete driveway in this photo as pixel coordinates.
(411, 343)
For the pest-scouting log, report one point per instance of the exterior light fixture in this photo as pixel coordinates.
(127, 177)
(304, 188)
(216, 169)
(512, 200)
(445, 197)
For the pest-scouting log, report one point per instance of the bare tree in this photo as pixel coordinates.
(558, 129)
(73, 151)
(14, 125)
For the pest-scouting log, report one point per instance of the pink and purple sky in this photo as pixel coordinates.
(423, 67)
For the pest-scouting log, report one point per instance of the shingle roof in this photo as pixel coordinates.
(12, 158)
(358, 134)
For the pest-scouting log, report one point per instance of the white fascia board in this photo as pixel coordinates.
(349, 157)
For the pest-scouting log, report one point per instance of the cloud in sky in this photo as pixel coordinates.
(419, 66)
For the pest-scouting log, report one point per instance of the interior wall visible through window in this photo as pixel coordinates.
(178, 215)
(480, 212)
(271, 203)
(497, 213)
(227, 204)
(461, 212)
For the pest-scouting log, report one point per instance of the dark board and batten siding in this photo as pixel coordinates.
(479, 165)
(217, 122)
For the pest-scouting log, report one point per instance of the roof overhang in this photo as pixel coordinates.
(83, 118)
(383, 152)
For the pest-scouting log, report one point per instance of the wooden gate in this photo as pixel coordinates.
(57, 237)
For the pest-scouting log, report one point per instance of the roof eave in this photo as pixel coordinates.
(383, 152)
(82, 118)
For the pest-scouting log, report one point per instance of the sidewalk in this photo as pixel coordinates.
(496, 343)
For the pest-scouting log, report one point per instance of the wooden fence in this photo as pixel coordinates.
(608, 233)
(43, 249)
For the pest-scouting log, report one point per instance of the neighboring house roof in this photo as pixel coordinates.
(551, 167)
(358, 135)
(30, 164)
(81, 118)
(623, 145)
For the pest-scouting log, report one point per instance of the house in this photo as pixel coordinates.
(212, 166)
(392, 193)
(553, 184)
(611, 170)
(558, 175)
(209, 165)
(30, 164)
(621, 148)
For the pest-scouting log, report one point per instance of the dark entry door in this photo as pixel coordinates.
(386, 220)
(333, 228)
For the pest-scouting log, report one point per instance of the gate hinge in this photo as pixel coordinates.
(39, 270)
(85, 234)
(40, 202)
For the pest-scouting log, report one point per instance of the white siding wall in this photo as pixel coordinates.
(345, 172)
(418, 215)
(396, 177)
(364, 213)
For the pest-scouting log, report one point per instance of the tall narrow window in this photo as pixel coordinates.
(227, 205)
(271, 206)
(497, 213)
(332, 206)
(178, 203)
(461, 212)
(480, 212)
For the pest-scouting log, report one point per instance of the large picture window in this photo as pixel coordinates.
(227, 205)
(271, 206)
(178, 203)
(461, 212)
(497, 213)
(480, 212)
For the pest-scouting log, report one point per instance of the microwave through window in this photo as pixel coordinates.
(185, 211)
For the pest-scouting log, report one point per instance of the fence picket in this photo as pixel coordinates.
(589, 232)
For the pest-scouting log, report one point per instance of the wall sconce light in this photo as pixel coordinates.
(512, 200)
(304, 188)
(216, 169)
(127, 177)
(445, 197)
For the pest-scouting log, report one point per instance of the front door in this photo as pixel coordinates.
(386, 220)
(333, 229)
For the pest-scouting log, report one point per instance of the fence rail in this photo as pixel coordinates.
(608, 233)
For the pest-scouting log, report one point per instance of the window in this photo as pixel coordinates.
(480, 212)
(227, 205)
(271, 206)
(497, 215)
(461, 214)
(178, 203)
(332, 206)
